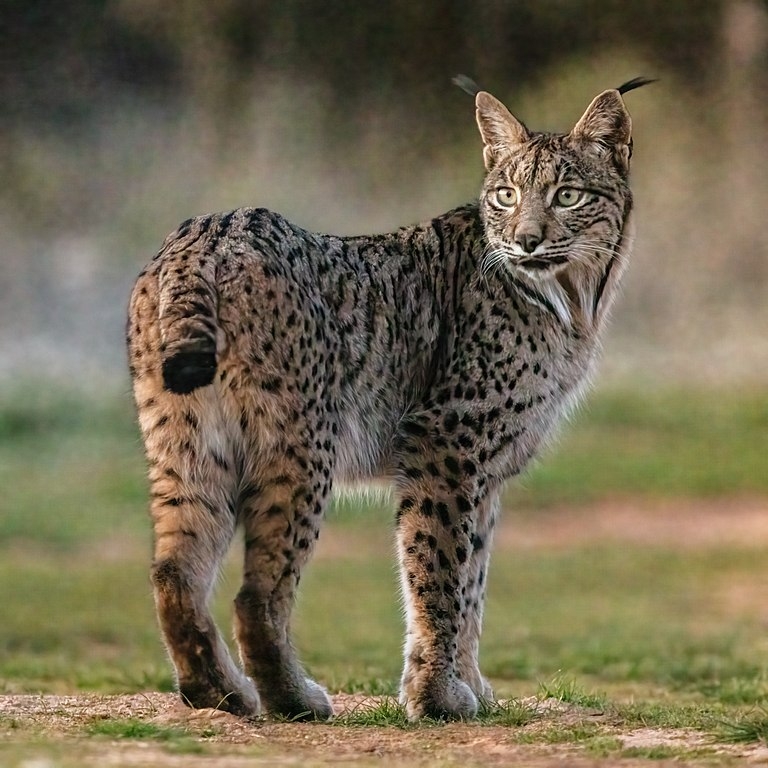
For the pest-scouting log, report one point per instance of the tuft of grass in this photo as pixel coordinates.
(752, 727)
(564, 688)
(511, 713)
(387, 713)
(603, 746)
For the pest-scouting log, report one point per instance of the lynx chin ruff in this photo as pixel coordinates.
(270, 363)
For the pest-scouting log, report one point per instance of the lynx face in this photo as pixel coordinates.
(553, 205)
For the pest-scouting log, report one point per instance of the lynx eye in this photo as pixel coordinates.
(567, 197)
(506, 197)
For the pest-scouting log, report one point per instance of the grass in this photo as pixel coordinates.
(134, 729)
(645, 634)
(177, 741)
(566, 689)
(750, 727)
(657, 443)
(71, 467)
(389, 713)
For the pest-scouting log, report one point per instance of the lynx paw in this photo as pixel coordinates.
(243, 701)
(478, 684)
(449, 700)
(310, 702)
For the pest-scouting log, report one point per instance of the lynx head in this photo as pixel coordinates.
(556, 206)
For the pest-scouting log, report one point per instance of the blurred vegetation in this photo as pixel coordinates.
(397, 52)
(122, 117)
(73, 475)
(119, 118)
(75, 552)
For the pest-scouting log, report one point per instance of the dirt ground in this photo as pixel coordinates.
(54, 731)
(46, 731)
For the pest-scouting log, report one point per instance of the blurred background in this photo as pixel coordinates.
(121, 118)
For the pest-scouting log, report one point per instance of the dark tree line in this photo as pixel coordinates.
(62, 61)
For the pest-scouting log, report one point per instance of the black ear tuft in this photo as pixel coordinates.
(635, 82)
(467, 84)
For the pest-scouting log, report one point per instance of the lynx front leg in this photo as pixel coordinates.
(282, 523)
(435, 529)
(471, 624)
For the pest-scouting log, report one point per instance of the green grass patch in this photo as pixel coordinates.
(566, 689)
(76, 624)
(388, 713)
(560, 734)
(72, 470)
(601, 746)
(73, 623)
(673, 712)
(664, 752)
(750, 727)
(511, 713)
(656, 443)
(134, 729)
(623, 615)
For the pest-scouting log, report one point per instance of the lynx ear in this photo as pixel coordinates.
(608, 126)
(499, 129)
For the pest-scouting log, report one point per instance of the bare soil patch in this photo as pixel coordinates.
(687, 523)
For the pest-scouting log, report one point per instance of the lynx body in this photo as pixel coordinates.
(270, 364)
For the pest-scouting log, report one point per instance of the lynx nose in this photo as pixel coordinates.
(528, 241)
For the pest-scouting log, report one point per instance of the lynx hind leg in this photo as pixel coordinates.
(191, 475)
(281, 517)
(435, 528)
(471, 619)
